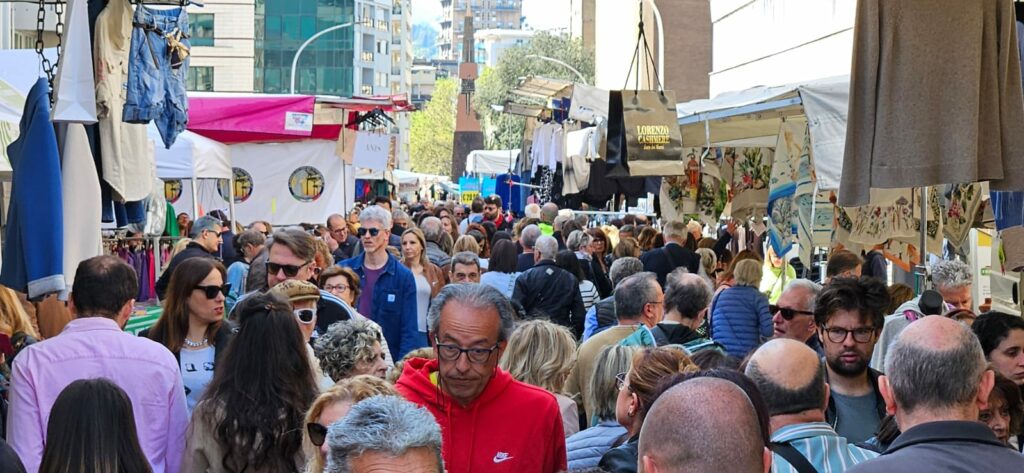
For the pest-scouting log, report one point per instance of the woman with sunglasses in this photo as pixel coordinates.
(192, 325)
(251, 417)
(637, 390)
(329, 408)
(303, 296)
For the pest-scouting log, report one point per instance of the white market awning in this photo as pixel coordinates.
(191, 156)
(491, 162)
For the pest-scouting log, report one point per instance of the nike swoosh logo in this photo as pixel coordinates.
(499, 459)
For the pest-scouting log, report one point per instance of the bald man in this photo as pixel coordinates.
(935, 384)
(702, 425)
(791, 378)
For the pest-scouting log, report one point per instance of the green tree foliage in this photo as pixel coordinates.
(505, 131)
(432, 131)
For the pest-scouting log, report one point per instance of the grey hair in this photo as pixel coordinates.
(345, 344)
(547, 246)
(922, 377)
(251, 237)
(951, 274)
(465, 258)
(811, 288)
(432, 229)
(687, 294)
(399, 214)
(633, 293)
(577, 240)
(623, 268)
(611, 361)
(474, 296)
(386, 424)
(582, 220)
(529, 236)
(559, 221)
(375, 213)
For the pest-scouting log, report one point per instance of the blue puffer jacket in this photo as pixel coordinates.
(740, 319)
(585, 448)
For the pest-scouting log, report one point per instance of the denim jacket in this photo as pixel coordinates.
(393, 305)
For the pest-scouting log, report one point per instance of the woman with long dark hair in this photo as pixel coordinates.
(192, 324)
(92, 429)
(250, 418)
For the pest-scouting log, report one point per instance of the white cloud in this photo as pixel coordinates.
(547, 14)
(426, 11)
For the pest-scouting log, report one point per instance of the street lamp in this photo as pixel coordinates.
(560, 63)
(295, 60)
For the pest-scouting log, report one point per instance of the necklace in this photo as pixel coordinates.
(191, 344)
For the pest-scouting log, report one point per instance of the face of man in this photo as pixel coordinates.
(414, 460)
(284, 261)
(848, 357)
(338, 230)
(260, 227)
(654, 310)
(460, 212)
(466, 274)
(210, 239)
(401, 222)
(491, 211)
(372, 243)
(467, 328)
(801, 326)
(958, 297)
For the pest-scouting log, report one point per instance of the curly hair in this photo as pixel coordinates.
(346, 344)
(540, 353)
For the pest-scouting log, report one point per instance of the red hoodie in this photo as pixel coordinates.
(511, 427)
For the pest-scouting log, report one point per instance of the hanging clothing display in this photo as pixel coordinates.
(80, 200)
(964, 201)
(157, 69)
(33, 252)
(748, 171)
(791, 190)
(127, 155)
(713, 194)
(929, 107)
(677, 204)
(889, 215)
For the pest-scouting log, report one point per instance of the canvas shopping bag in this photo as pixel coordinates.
(74, 88)
(654, 145)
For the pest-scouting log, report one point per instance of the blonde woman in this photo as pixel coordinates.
(15, 322)
(466, 243)
(330, 407)
(541, 353)
(708, 262)
(741, 317)
(429, 277)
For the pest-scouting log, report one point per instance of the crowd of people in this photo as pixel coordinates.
(433, 337)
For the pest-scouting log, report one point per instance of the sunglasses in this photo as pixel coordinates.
(290, 270)
(305, 316)
(787, 313)
(317, 433)
(212, 291)
(372, 231)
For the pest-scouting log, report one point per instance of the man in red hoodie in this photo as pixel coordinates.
(489, 421)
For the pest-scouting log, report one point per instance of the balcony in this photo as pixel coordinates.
(366, 56)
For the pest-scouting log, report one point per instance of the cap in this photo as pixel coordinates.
(295, 290)
(205, 223)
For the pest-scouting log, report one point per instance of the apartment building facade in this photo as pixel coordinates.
(487, 14)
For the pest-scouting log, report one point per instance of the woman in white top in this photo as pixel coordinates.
(541, 353)
(502, 272)
(429, 277)
(568, 261)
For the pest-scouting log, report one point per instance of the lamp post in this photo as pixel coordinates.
(295, 60)
(560, 63)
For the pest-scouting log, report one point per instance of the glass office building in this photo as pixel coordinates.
(326, 65)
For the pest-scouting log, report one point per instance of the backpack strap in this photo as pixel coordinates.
(793, 457)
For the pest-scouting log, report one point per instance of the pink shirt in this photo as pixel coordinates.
(95, 347)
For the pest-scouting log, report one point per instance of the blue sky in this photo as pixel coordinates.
(541, 14)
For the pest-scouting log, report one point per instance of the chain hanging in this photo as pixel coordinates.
(50, 69)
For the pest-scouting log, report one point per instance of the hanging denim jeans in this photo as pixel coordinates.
(157, 68)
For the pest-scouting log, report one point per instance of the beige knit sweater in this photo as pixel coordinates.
(935, 97)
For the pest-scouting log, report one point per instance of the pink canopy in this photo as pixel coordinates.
(248, 118)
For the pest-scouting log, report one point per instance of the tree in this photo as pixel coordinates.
(432, 131)
(495, 84)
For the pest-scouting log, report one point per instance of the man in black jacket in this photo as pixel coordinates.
(936, 380)
(206, 241)
(664, 260)
(849, 314)
(547, 290)
(528, 238)
(687, 297)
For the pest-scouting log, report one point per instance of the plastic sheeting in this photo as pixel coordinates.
(491, 162)
(191, 156)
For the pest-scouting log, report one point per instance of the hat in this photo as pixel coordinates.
(205, 223)
(295, 291)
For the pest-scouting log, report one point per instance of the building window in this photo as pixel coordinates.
(200, 79)
(366, 89)
(202, 29)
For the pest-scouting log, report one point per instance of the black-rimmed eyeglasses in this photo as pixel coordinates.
(453, 352)
(860, 335)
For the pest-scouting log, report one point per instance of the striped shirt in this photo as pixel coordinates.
(821, 445)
